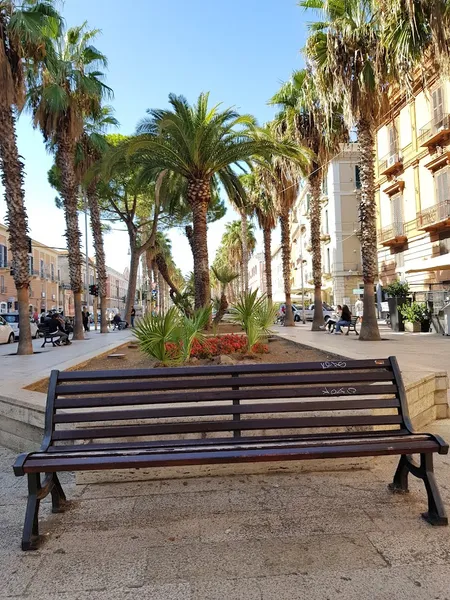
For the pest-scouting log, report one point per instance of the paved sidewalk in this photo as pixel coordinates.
(415, 352)
(20, 371)
(283, 536)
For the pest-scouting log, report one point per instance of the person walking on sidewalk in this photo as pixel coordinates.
(133, 315)
(86, 315)
(359, 308)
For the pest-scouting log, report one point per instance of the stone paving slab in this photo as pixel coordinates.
(277, 536)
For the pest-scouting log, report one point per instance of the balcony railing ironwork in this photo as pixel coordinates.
(392, 234)
(432, 133)
(346, 268)
(435, 216)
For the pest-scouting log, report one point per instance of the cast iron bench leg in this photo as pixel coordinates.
(58, 495)
(31, 527)
(400, 483)
(436, 514)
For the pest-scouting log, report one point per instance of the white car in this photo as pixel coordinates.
(328, 313)
(13, 320)
(6, 333)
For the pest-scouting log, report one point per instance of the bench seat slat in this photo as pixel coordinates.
(325, 378)
(231, 455)
(222, 440)
(380, 363)
(208, 396)
(240, 444)
(206, 426)
(193, 411)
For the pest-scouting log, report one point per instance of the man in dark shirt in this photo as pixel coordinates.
(55, 326)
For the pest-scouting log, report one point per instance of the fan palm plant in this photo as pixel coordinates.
(24, 41)
(224, 275)
(202, 143)
(69, 89)
(351, 69)
(303, 118)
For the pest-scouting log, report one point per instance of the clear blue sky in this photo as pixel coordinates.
(239, 50)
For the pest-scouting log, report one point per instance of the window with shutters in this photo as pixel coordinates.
(392, 140)
(442, 190)
(2, 285)
(42, 272)
(52, 271)
(397, 213)
(437, 100)
(3, 256)
(328, 261)
(30, 265)
(357, 177)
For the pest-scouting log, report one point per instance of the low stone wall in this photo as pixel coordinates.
(22, 418)
(427, 399)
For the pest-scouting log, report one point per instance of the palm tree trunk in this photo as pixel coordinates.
(65, 162)
(16, 218)
(96, 226)
(199, 196)
(267, 233)
(160, 294)
(190, 236)
(286, 255)
(315, 216)
(244, 241)
(367, 216)
(132, 282)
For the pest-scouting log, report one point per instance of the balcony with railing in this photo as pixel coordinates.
(434, 132)
(390, 163)
(346, 268)
(5, 265)
(435, 217)
(393, 235)
(324, 236)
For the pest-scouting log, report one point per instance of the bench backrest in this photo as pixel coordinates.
(335, 396)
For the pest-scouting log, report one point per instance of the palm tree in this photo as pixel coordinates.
(304, 119)
(233, 243)
(224, 275)
(261, 203)
(23, 40)
(69, 89)
(90, 148)
(202, 144)
(350, 68)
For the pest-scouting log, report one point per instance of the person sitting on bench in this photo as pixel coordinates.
(55, 326)
(117, 321)
(332, 322)
(345, 320)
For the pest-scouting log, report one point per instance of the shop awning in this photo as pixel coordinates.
(437, 263)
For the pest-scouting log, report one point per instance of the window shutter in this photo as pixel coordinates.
(438, 106)
(3, 256)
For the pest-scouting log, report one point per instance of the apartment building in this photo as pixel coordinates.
(66, 295)
(413, 182)
(340, 245)
(43, 268)
(257, 273)
(278, 294)
(116, 289)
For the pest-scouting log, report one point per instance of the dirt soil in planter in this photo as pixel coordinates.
(280, 351)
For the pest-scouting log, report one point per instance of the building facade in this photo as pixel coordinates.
(44, 276)
(413, 183)
(116, 289)
(66, 295)
(257, 273)
(340, 245)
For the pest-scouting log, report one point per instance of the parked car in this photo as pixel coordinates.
(6, 333)
(328, 312)
(13, 320)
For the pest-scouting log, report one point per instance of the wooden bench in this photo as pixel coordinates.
(44, 332)
(226, 414)
(351, 327)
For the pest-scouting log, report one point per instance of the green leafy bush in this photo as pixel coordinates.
(397, 289)
(414, 312)
(255, 316)
(169, 338)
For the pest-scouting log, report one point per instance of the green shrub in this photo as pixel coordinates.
(397, 289)
(255, 316)
(414, 312)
